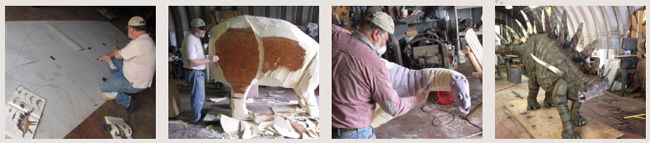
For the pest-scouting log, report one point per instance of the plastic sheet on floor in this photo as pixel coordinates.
(57, 60)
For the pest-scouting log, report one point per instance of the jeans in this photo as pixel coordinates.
(360, 133)
(118, 83)
(196, 80)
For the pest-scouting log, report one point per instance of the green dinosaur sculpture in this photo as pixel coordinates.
(552, 63)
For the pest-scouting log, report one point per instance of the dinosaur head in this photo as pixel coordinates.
(592, 87)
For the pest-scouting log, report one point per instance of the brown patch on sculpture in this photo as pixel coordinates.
(238, 57)
(282, 52)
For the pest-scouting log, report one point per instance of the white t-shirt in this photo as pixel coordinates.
(191, 49)
(139, 61)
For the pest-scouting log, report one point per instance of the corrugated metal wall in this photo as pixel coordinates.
(180, 16)
(608, 24)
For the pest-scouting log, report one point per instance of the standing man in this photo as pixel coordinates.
(195, 61)
(132, 68)
(361, 79)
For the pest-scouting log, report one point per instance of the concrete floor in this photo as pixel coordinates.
(419, 124)
(199, 131)
(598, 109)
(142, 121)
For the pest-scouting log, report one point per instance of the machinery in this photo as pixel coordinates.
(424, 36)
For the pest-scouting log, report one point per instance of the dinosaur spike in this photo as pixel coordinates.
(524, 34)
(512, 33)
(507, 36)
(551, 24)
(538, 22)
(576, 38)
(564, 32)
(548, 24)
(553, 68)
(587, 50)
(546, 21)
(528, 25)
(504, 40)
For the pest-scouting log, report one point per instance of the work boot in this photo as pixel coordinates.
(631, 88)
(132, 106)
(197, 122)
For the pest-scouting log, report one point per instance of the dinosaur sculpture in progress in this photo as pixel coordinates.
(264, 51)
(552, 62)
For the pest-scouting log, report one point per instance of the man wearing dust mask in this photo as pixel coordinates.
(365, 85)
(195, 62)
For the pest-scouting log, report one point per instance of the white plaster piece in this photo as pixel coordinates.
(119, 128)
(263, 117)
(179, 122)
(110, 95)
(284, 128)
(286, 111)
(217, 100)
(229, 125)
(248, 130)
(312, 129)
(276, 93)
(211, 117)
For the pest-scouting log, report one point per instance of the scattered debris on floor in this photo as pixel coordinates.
(276, 93)
(119, 128)
(532, 121)
(24, 114)
(179, 122)
(275, 114)
(279, 125)
(284, 121)
(211, 117)
(608, 110)
(217, 100)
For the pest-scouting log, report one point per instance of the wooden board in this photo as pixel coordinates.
(545, 123)
(475, 45)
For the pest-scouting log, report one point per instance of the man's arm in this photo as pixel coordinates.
(198, 62)
(193, 58)
(113, 54)
(384, 94)
(116, 53)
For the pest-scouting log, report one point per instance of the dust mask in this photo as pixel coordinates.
(381, 50)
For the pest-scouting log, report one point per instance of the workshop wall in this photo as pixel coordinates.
(609, 24)
(180, 17)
